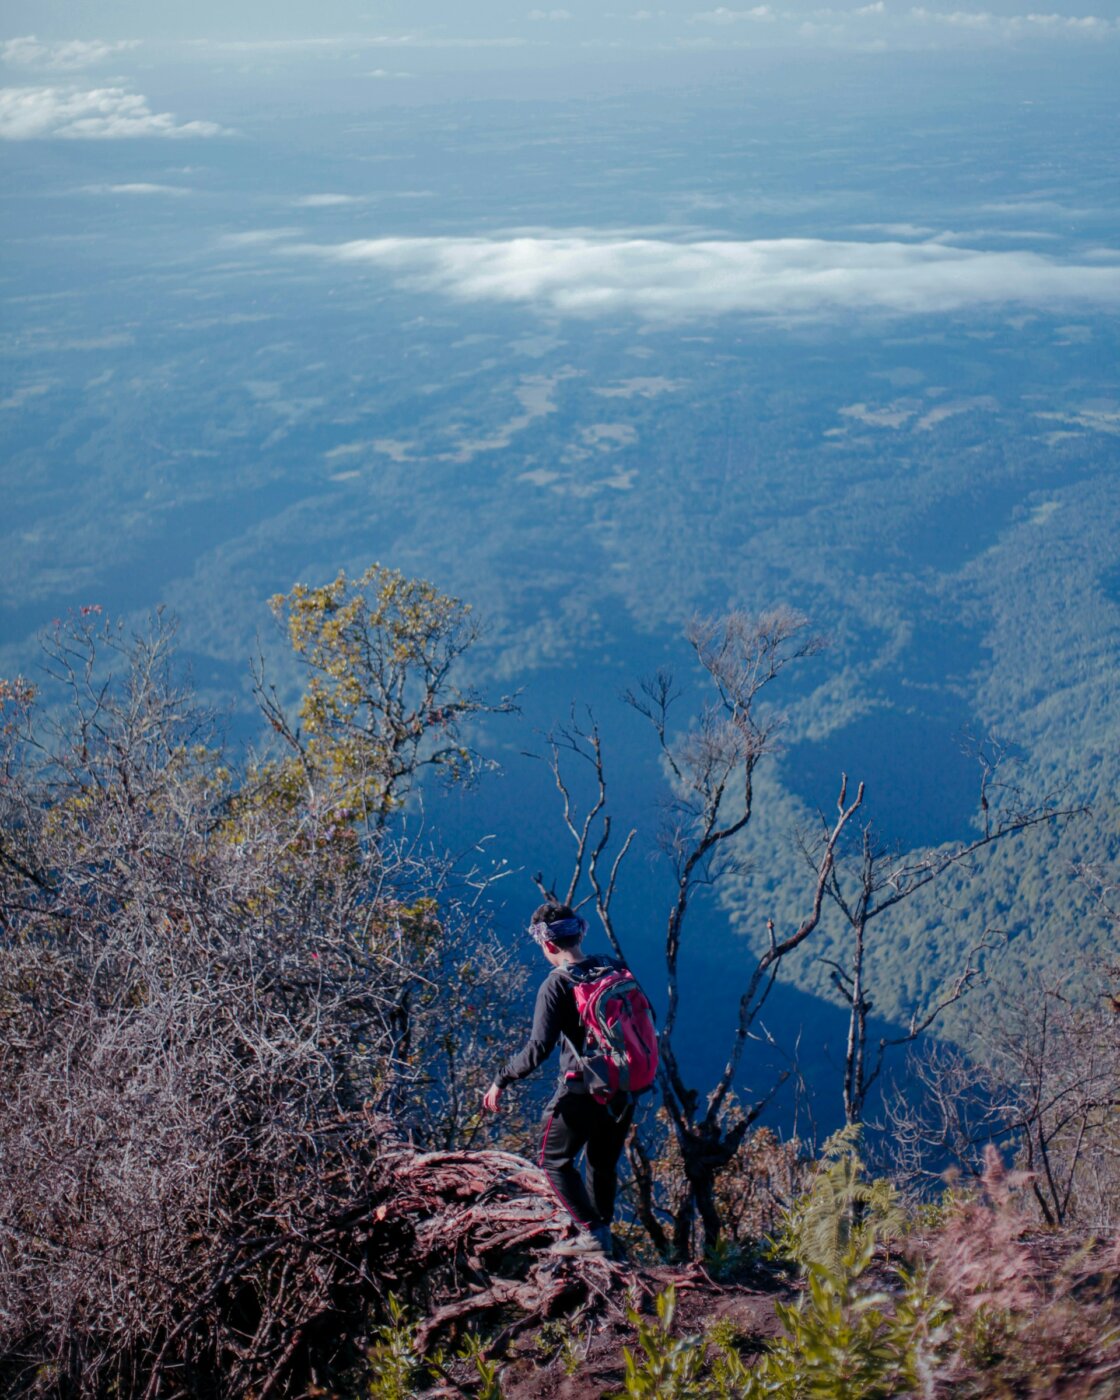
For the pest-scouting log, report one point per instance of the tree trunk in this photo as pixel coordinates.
(682, 1226)
(643, 1181)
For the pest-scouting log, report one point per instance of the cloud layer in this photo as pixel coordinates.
(98, 114)
(138, 187)
(786, 278)
(1019, 25)
(65, 56)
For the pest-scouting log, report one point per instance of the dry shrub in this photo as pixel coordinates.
(1035, 1314)
(979, 1260)
(751, 1192)
(207, 989)
(759, 1184)
(1041, 1082)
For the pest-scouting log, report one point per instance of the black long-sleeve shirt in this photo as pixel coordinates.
(554, 1018)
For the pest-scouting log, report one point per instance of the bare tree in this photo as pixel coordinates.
(710, 764)
(1043, 1082)
(868, 883)
(1055, 1085)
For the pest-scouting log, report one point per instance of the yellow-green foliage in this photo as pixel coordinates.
(842, 1208)
(664, 1366)
(380, 700)
(394, 1367)
(333, 627)
(846, 1337)
(396, 1370)
(556, 1339)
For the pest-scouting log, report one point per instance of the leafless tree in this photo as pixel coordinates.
(1043, 1082)
(870, 881)
(710, 763)
(1056, 1071)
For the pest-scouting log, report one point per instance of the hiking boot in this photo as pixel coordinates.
(588, 1244)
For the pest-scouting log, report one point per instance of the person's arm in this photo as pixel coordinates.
(541, 1043)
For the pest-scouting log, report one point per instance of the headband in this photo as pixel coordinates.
(562, 931)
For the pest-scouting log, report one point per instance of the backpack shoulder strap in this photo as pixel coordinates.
(591, 969)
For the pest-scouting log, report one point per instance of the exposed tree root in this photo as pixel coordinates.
(480, 1227)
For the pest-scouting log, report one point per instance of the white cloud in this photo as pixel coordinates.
(350, 43)
(137, 188)
(960, 19)
(30, 52)
(257, 237)
(1038, 206)
(896, 230)
(18, 397)
(435, 41)
(99, 114)
(1016, 24)
(785, 278)
(325, 201)
(1010, 235)
(723, 15)
(553, 15)
(874, 23)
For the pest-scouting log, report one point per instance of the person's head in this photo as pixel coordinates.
(559, 931)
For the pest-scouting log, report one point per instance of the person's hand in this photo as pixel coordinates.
(492, 1099)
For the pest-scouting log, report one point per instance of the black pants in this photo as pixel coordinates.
(576, 1122)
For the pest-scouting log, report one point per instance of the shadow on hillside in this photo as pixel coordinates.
(809, 1036)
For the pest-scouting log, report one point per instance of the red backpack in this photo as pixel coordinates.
(620, 1048)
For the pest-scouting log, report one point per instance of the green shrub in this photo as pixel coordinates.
(396, 1371)
(846, 1339)
(394, 1367)
(841, 1207)
(852, 1335)
(664, 1366)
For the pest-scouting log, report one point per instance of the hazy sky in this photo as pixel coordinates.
(573, 23)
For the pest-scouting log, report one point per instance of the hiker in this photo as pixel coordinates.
(600, 1071)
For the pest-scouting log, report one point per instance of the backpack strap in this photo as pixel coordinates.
(575, 975)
